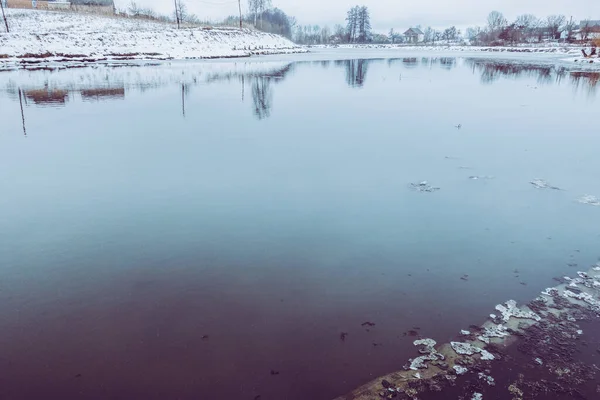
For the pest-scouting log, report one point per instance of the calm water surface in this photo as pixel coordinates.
(208, 230)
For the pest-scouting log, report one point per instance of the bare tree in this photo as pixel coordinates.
(352, 23)
(254, 6)
(570, 27)
(240, 7)
(450, 34)
(585, 29)
(325, 34)
(177, 19)
(496, 22)
(473, 34)
(4, 16)
(555, 24)
(526, 25)
(364, 24)
(428, 35)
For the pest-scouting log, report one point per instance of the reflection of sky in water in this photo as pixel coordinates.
(276, 214)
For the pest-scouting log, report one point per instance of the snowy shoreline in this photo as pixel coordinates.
(44, 37)
(562, 52)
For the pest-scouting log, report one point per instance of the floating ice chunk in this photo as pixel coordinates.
(580, 332)
(488, 379)
(482, 177)
(550, 292)
(468, 349)
(432, 354)
(423, 186)
(511, 310)
(464, 348)
(425, 342)
(498, 331)
(465, 333)
(493, 316)
(589, 199)
(477, 396)
(460, 370)
(418, 375)
(542, 184)
(539, 361)
(588, 298)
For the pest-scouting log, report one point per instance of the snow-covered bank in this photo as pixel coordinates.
(46, 36)
(547, 48)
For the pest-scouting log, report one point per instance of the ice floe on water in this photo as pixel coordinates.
(423, 186)
(460, 370)
(542, 184)
(487, 379)
(494, 331)
(481, 177)
(510, 309)
(589, 199)
(469, 350)
(477, 396)
(427, 348)
(545, 329)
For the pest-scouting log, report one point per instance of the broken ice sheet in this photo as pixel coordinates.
(542, 184)
(422, 186)
(589, 199)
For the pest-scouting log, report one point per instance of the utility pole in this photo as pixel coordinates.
(239, 6)
(4, 16)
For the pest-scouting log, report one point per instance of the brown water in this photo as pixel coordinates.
(208, 231)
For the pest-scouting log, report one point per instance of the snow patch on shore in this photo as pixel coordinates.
(57, 35)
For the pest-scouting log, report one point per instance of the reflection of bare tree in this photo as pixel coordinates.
(588, 80)
(491, 71)
(448, 62)
(46, 96)
(185, 90)
(262, 96)
(100, 94)
(410, 62)
(356, 71)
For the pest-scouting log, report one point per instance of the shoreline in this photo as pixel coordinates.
(41, 40)
(38, 39)
(554, 314)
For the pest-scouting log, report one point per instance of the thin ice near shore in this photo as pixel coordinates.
(46, 36)
(477, 348)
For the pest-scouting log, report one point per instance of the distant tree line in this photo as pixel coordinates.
(527, 28)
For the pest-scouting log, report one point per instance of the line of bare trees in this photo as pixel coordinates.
(527, 28)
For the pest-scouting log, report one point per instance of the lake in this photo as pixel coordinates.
(208, 230)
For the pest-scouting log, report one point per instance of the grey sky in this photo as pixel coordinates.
(386, 14)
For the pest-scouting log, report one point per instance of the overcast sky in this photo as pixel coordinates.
(386, 14)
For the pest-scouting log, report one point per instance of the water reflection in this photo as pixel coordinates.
(491, 71)
(58, 88)
(585, 80)
(356, 71)
(262, 97)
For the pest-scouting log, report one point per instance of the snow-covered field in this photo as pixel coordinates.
(57, 36)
